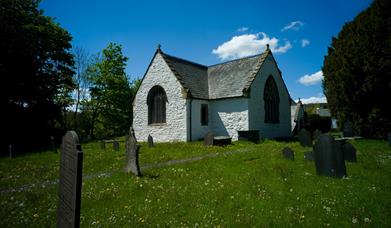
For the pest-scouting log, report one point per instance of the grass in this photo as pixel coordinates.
(256, 188)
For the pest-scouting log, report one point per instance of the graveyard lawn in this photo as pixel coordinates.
(254, 187)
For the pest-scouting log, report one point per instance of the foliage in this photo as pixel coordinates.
(111, 93)
(254, 188)
(36, 68)
(357, 71)
(315, 121)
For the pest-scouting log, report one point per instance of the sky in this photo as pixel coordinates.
(210, 32)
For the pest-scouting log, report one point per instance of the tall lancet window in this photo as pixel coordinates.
(156, 101)
(272, 101)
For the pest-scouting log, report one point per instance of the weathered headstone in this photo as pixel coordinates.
(288, 153)
(317, 133)
(349, 152)
(132, 151)
(116, 145)
(69, 191)
(10, 151)
(328, 157)
(208, 139)
(309, 156)
(102, 144)
(150, 141)
(53, 143)
(389, 138)
(305, 137)
(347, 129)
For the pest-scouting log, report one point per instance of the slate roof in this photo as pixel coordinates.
(224, 80)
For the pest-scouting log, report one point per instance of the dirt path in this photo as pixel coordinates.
(144, 167)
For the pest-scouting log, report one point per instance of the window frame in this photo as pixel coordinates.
(271, 99)
(204, 118)
(156, 102)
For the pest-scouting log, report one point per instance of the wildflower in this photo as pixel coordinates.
(367, 220)
(36, 215)
(354, 220)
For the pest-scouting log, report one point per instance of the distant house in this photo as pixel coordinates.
(179, 100)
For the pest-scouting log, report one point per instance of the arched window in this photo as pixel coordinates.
(156, 101)
(272, 101)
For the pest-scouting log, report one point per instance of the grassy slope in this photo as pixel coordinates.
(251, 189)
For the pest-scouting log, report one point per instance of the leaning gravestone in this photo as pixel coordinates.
(389, 138)
(116, 145)
(132, 151)
(305, 137)
(309, 156)
(288, 153)
(317, 133)
(208, 139)
(328, 157)
(150, 141)
(347, 129)
(69, 192)
(349, 152)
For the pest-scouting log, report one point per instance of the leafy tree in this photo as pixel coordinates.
(357, 71)
(36, 68)
(111, 93)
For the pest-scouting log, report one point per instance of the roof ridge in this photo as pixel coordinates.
(233, 60)
(184, 60)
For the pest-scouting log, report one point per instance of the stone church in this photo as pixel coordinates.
(179, 100)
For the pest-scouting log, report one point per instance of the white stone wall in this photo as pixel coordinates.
(175, 127)
(228, 116)
(256, 103)
(197, 130)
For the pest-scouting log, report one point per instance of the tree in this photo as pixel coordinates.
(357, 71)
(82, 59)
(110, 93)
(36, 68)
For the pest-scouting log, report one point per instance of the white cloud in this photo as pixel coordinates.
(249, 44)
(242, 29)
(304, 42)
(294, 25)
(311, 79)
(313, 100)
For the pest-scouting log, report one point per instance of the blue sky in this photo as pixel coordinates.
(210, 32)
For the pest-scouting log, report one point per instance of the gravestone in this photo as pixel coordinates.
(250, 135)
(328, 157)
(69, 191)
(208, 139)
(305, 137)
(53, 143)
(288, 153)
(10, 151)
(116, 145)
(389, 138)
(347, 129)
(309, 156)
(349, 152)
(102, 145)
(150, 141)
(317, 133)
(132, 152)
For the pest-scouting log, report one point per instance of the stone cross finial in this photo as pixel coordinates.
(267, 47)
(158, 47)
